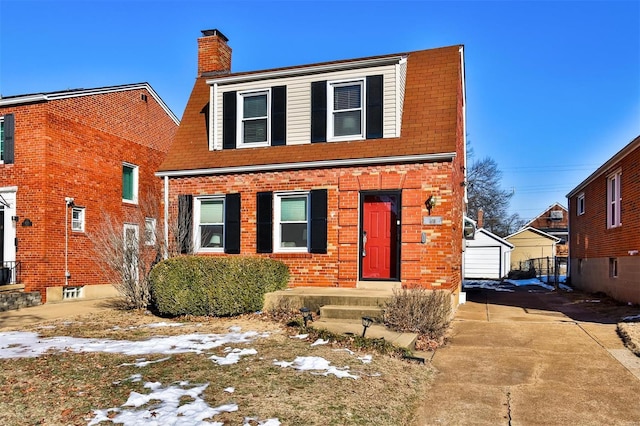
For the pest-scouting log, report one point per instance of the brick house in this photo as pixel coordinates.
(68, 159)
(351, 172)
(554, 221)
(604, 228)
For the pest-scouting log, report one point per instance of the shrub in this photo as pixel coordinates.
(417, 310)
(216, 286)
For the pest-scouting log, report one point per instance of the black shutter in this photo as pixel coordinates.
(374, 107)
(318, 221)
(232, 224)
(9, 129)
(278, 115)
(185, 223)
(205, 113)
(264, 222)
(318, 111)
(229, 112)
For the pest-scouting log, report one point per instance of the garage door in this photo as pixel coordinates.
(482, 262)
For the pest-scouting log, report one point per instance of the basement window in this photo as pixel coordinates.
(72, 292)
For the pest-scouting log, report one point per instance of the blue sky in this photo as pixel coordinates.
(553, 87)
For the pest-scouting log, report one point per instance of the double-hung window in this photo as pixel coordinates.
(346, 112)
(254, 120)
(77, 219)
(149, 231)
(291, 222)
(614, 200)
(129, 183)
(209, 214)
(580, 204)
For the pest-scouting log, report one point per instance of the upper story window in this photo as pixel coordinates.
(129, 183)
(77, 219)
(254, 119)
(346, 113)
(347, 109)
(580, 204)
(614, 200)
(7, 126)
(209, 215)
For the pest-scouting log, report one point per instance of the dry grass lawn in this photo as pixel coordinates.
(65, 388)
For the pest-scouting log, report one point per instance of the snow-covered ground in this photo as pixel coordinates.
(18, 344)
(508, 285)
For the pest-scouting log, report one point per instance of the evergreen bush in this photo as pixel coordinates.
(215, 286)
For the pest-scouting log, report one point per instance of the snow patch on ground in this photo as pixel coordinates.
(315, 364)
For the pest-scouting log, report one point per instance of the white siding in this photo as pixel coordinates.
(299, 98)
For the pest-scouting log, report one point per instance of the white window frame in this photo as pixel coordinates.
(135, 183)
(613, 267)
(240, 119)
(614, 199)
(331, 112)
(136, 232)
(78, 225)
(150, 231)
(580, 204)
(277, 210)
(196, 224)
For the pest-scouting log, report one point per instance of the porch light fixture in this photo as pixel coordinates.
(366, 323)
(430, 203)
(306, 315)
(15, 218)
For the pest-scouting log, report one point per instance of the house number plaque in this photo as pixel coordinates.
(432, 220)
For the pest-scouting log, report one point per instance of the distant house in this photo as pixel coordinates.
(67, 160)
(554, 221)
(351, 172)
(531, 243)
(487, 256)
(604, 227)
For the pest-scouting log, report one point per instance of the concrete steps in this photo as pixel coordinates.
(350, 312)
(376, 331)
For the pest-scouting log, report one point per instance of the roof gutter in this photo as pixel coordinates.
(291, 72)
(447, 156)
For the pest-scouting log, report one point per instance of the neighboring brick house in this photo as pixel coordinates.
(604, 228)
(68, 159)
(554, 221)
(328, 167)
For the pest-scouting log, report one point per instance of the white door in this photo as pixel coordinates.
(482, 262)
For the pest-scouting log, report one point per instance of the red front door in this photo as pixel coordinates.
(379, 237)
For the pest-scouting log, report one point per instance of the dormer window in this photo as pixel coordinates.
(253, 111)
(346, 115)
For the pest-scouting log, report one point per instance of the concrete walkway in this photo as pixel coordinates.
(527, 358)
(28, 316)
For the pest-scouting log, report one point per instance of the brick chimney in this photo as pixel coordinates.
(480, 218)
(214, 54)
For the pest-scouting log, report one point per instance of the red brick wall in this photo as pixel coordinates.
(589, 235)
(435, 264)
(75, 147)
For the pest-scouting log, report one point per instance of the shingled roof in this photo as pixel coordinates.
(429, 123)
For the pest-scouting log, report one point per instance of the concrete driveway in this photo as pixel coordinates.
(532, 358)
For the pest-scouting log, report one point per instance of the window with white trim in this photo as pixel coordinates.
(129, 183)
(614, 200)
(149, 231)
(209, 224)
(580, 204)
(346, 110)
(291, 222)
(77, 219)
(253, 118)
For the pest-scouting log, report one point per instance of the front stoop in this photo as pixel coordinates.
(340, 310)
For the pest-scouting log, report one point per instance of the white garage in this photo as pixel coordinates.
(487, 256)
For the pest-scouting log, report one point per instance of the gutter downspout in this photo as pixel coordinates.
(166, 217)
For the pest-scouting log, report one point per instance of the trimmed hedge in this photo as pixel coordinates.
(215, 286)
